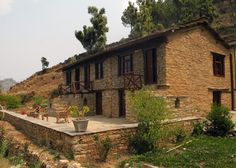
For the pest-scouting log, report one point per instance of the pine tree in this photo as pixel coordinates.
(93, 38)
(44, 62)
(147, 16)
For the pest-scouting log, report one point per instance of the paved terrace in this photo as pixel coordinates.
(96, 124)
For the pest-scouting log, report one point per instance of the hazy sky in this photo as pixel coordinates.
(31, 29)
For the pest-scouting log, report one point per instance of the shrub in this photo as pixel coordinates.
(180, 135)
(54, 93)
(11, 101)
(17, 159)
(104, 146)
(220, 121)
(198, 129)
(150, 111)
(140, 143)
(4, 147)
(25, 98)
(70, 155)
(39, 101)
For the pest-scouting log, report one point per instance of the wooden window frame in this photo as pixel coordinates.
(99, 70)
(218, 65)
(125, 64)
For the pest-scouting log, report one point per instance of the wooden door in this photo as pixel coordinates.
(98, 103)
(122, 111)
(150, 66)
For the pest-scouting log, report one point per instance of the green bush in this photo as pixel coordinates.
(104, 146)
(17, 159)
(180, 135)
(25, 98)
(11, 101)
(54, 93)
(139, 144)
(151, 111)
(198, 129)
(39, 101)
(220, 121)
(4, 148)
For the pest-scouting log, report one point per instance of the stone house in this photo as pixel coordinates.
(191, 66)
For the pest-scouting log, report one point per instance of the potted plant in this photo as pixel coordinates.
(80, 122)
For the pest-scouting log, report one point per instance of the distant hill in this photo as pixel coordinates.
(6, 84)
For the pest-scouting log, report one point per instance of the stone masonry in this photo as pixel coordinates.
(184, 73)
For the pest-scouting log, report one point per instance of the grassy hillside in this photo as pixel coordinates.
(40, 83)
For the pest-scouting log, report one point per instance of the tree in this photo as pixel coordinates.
(192, 9)
(44, 62)
(147, 16)
(129, 17)
(93, 38)
(151, 111)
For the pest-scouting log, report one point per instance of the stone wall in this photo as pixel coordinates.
(79, 100)
(111, 83)
(84, 147)
(184, 70)
(189, 68)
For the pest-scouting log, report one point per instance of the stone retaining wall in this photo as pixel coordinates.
(83, 147)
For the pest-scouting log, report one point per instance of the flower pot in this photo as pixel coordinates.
(80, 125)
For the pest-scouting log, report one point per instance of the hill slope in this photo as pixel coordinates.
(40, 83)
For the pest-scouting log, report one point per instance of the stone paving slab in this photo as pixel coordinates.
(96, 124)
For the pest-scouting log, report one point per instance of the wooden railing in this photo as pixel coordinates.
(64, 89)
(76, 87)
(132, 81)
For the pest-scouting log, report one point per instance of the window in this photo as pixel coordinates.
(125, 64)
(99, 70)
(150, 66)
(68, 77)
(77, 78)
(218, 65)
(77, 74)
(87, 76)
(217, 97)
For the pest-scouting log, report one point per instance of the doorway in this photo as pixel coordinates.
(122, 110)
(217, 98)
(98, 103)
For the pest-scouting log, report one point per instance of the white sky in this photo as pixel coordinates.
(31, 29)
